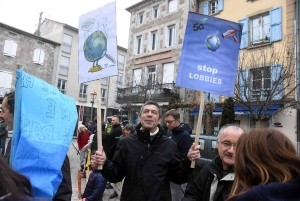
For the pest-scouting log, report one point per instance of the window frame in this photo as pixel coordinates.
(262, 91)
(170, 37)
(10, 48)
(63, 66)
(59, 85)
(120, 63)
(103, 96)
(38, 56)
(120, 80)
(83, 92)
(140, 17)
(65, 44)
(154, 13)
(153, 38)
(262, 38)
(139, 44)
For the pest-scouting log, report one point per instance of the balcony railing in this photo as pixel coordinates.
(143, 93)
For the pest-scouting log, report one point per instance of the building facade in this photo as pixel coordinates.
(36, 54)
(66, 77)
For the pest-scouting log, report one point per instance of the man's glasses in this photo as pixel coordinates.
(169, 122)
(227, 145)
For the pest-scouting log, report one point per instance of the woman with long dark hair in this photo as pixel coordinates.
(266, 167)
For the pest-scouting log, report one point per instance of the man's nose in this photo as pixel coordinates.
(231, 149)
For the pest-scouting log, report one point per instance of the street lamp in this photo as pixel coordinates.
(93, 96)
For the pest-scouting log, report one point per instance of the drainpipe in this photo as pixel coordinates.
(297, 63)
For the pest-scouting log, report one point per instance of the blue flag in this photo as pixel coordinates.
(209, 57)
(44, 123)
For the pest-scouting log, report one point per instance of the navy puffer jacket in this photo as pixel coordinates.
(95, 187)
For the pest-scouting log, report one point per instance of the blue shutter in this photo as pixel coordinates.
(276, 76)
(244, 38)
(220, 5)
(275, 24)
(205, 11)
(243, 88)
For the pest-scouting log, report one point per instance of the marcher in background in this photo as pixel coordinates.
(95, 186)
(266, 167)
(215, 180)
(82, 141)
(128, 129)
(108, 126)
(180, 133)
(125, 121)
(89, 126)
(3, 135)
(113, 140)
(148, 160)
(64, 191)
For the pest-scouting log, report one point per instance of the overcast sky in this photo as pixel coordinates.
(24, 14)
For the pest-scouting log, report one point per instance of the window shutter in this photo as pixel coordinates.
(205, 11)
(220, 5)
(36, 56)
(7, 47)
(243, 88)
(277, 82)
(42, 56)
(275, 24)
(13, 51)
(244, 42)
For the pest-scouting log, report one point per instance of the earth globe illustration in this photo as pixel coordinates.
(212, 42)
(95, 47)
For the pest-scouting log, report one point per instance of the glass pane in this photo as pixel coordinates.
(266, 27)
(202, 143)
(84, 89)
(63, 86)
(266, 73)
(267, 83)
(256, 84)
(58, 84)
(257, 74)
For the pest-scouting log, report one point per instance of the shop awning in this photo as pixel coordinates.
(239, 110)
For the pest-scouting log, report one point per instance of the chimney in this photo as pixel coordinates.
(39, 25)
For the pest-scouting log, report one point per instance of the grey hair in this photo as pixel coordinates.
(236, 126)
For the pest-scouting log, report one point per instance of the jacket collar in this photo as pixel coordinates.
(144, 135)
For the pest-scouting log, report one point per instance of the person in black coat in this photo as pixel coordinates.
(180, 133)
(148, 160)
(114, 136)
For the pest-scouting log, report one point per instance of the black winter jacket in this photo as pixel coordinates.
(212, 173)
(273, 191)
(181, 135)
(149, 166)
(113, 139)
(95, 187)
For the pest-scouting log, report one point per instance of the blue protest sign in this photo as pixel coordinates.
(209, 56)
(44, 123)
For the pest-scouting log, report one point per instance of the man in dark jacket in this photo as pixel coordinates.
(180, 133)
(148, 160)
(64, 191)
(215, 180)
(114, 136)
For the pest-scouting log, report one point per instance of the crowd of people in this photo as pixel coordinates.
(154, 164)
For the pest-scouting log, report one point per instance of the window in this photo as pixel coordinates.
(168, 74)
(120, 80)
(201, 142)
(153, 40)
(38, 56)
(266, 82)
(140, 17)
(150, 75)
(103, 81)
(41, 43)
(266, 27)
(138, 47)
(212, 7)
(136, 79)
(10, 48)
(64, 65)
(103, 96)
(170, 37)
(261, 83)
(155, 12)
(172, 5)
(67, 43)
(12, 34)
(61, 85)
(121, 61)
(82, 92)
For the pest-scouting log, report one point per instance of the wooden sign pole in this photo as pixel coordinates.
(99, 120)
(199, 123)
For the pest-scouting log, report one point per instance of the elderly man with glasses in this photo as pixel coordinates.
(215, 180)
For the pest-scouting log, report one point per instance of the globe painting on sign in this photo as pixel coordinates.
(95, 47)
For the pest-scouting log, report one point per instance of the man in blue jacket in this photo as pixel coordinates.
(179, 133)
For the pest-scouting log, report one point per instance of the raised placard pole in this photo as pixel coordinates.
(199, 123)
(99, 120)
